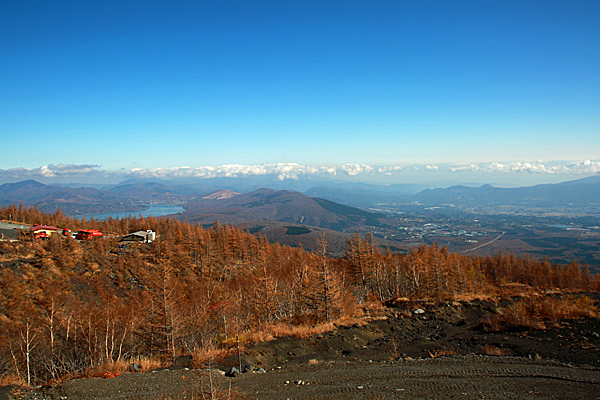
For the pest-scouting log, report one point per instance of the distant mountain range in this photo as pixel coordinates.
(331, 207)
(582, 192)
(72, 201)
(126, 196)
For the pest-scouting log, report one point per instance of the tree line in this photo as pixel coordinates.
(66, 305)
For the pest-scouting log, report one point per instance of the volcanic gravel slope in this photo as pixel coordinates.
(443, 329)
(458, 377)
(402, 355)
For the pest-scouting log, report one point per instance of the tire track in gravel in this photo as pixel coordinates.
(463, 377)
(443, 378)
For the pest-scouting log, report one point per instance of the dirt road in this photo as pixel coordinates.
(459, 377)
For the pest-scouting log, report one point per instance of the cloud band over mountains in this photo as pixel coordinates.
(283, 171)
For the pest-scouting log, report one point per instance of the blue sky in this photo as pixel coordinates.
(453, 86)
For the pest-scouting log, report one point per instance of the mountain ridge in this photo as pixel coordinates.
(284, 206)
(132, 194)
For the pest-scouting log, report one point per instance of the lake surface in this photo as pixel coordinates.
(157, 210)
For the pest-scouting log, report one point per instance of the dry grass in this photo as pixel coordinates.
(491, 350)
(303, 331)
(539, 312)
(11, 379)
(574, 307)
(468, 297)
(514, 289)
(107, 370)
(206, 356)
(372, 309)
(112, 369)
(441, 353)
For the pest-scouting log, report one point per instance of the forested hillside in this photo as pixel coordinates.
(66, 305)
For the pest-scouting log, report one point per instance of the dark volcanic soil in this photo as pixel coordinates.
(458, 377)
(443, 329)
(437, 354)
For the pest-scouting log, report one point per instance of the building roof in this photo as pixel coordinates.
(43, 227)
(143, 235)
(139, 233)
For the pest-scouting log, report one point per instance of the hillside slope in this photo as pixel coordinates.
(283, 206)
(580, 193)
(73, 201)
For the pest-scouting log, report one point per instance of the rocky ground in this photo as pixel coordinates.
(457, 377)
(443, 352)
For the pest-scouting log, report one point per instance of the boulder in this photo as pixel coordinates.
(246, 368)
(135, 368)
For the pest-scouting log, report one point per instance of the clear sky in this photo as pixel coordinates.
(157, 85)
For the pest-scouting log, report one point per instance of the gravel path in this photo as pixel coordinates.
(458, 377)
(461, 377)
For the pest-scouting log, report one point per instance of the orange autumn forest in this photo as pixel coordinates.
(69, 306)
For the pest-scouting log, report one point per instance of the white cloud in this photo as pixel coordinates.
(356, 169)
(295, 171)
(282, 171)
(51, 171)
(586, 167)
(389, 169)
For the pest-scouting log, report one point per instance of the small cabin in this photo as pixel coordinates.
(139, 236)
(42, 231)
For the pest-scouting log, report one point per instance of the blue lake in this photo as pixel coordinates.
(157, 210)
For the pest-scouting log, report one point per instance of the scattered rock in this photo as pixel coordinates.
(418, 311)
(232, 372)
(246, 368)
(135, 368)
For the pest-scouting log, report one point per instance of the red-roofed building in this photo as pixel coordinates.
(42, 231)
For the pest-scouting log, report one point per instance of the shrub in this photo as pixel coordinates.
(491, 350)
(536, 312)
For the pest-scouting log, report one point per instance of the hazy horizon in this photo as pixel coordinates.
(430, 175)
